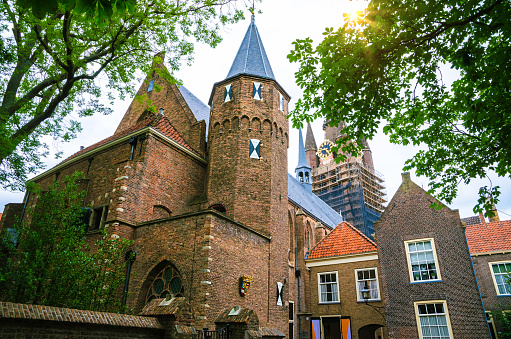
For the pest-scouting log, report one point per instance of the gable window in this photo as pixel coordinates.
(433, 319)
(98, 218)
(151, 86)
(281, 102)
(422, 260)
(328, 288)
(256, 93)
(227, 93)
(500, 272)
(367, 278)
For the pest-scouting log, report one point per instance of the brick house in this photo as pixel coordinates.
(201, 190)
(490, 248)
(428, 285)
(342, 265)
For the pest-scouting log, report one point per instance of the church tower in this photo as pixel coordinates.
(303, 170)
(247, 152)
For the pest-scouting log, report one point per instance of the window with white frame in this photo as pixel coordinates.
(367, 278)
(328, 288)
(500, 272)
(433, 320)
(422, 260)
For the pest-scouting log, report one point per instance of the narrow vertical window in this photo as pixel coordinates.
(255, 149)
(151, 86)
(281, 102)
(227, 93)
(256, 91)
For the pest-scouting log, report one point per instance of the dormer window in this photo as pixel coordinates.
(281, 102)
(227, 93)
(151, 86)
(256, 93)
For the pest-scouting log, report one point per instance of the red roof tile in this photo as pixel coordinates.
(489, 237)
(344, 239)
(161, 123)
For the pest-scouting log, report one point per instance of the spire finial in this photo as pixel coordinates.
(253, 10)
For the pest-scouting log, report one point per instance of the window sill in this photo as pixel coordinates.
(329, 303)
(426, 281)
(504, 295)
(369, 301)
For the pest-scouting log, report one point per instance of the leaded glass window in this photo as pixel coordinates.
(167, 284)
(422, 260)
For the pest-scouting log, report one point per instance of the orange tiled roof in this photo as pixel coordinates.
(344, 239)
(489, 237)
(161, 123)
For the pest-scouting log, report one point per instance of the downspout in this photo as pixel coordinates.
(297, 276)
(130, 257)
(475, 276)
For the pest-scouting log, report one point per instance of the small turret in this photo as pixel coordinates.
(311, 148)
(303, 170)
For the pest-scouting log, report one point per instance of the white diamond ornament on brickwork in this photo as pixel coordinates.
(255, 149)
(280, 289)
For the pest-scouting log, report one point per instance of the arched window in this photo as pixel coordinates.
(219, 207)
(167, 283)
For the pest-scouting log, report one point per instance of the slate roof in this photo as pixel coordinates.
(489, 237)
(251, 58)
(198, 108)
(311, 204)
(344, 239)
(161, 123)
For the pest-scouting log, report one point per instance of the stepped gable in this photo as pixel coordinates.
(199, 109)
(251, 58)
(489, 237)
(311, 204)
(344, 239)
(160, 123)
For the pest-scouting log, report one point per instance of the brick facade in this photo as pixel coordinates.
(408, 217)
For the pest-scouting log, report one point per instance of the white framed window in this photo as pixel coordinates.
(328, 287)
(500, 271)
(422, 260)
(367, 278)
(433, 319)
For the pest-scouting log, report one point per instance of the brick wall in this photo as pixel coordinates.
(485, 280)
(34, 321)
(407, 217)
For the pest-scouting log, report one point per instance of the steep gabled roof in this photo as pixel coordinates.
(159, 122)
(199, 109)
(311, 204)
(489, 237)
(343, 240)
(251, 58)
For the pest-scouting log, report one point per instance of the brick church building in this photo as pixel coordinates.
(204, 193)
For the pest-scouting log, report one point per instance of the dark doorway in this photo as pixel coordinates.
(331, 328)
(368, 331)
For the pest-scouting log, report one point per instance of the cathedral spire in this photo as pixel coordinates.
(251, 58)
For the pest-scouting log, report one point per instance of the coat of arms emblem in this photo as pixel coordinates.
(245, 281)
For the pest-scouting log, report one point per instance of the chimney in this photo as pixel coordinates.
(495, 217)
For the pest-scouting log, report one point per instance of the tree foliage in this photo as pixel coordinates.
(385, 67)
(71, 53)
(52, 264)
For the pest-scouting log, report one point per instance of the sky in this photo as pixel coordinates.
(280, 23)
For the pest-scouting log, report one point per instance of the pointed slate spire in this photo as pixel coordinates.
(251, 58)
(303, 170)
(310, 142)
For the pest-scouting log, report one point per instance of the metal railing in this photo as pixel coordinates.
(222, 333)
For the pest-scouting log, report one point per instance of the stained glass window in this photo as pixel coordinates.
(167, 283)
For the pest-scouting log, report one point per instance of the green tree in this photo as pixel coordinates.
(384, 67)
(61, 52)
(52, 264)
